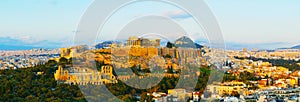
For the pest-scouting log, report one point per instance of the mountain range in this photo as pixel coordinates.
(7, 43)
(296, 47)
(104, 44)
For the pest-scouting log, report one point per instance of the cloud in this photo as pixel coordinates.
(177, 14)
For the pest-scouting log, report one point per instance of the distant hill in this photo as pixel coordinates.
(104, 44)
(7, 43)
(186, 42)
(198, 45)
(15, 47)
(296, 47)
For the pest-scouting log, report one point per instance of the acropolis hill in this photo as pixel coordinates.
(140, 53)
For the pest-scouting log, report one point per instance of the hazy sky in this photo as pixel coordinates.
(241, 21)
(40, 19)
(258, 21)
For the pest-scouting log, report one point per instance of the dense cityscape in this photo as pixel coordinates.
(149, 51)
(26, 58)
(256, 75)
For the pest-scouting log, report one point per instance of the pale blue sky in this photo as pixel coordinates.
(40, 19)
(242, 21)
(261, 21)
